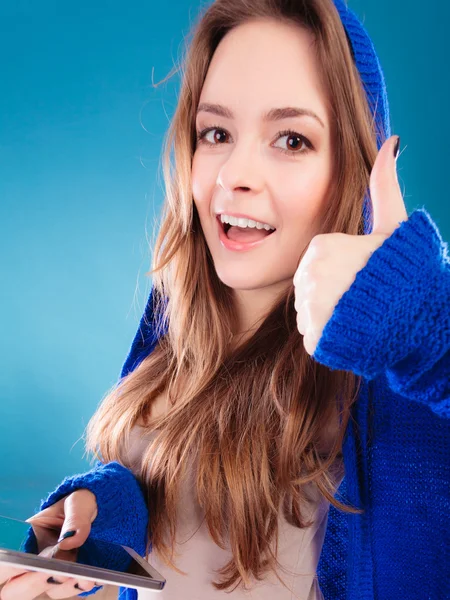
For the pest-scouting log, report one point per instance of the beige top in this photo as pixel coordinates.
(199, 556)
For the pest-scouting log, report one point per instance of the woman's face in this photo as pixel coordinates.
(246, 168)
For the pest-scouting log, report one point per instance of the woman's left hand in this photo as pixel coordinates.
(330, 264)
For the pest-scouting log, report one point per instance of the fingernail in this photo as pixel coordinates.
(67, 535)
(78, 587)
(397, 148)
(52, 580)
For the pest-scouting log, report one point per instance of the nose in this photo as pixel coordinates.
(242, 169)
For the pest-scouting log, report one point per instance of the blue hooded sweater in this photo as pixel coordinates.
(392, 327)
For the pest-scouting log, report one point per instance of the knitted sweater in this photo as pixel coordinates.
(392, 327)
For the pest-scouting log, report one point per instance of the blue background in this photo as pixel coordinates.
(81, 130)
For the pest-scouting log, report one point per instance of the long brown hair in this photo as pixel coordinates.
(256, 412)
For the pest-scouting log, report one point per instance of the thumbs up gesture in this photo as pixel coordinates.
(330, 264)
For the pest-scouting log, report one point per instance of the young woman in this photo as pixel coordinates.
(295, 346)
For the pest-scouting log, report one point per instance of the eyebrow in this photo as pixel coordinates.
(275, 114)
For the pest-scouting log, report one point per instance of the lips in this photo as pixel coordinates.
(235, 245)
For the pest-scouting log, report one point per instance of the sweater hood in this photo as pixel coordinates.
(373, 80)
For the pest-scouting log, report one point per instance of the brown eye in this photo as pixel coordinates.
(219, 136)
(294, 142)
(297, 142)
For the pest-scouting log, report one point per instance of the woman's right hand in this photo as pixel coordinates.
(75, 512)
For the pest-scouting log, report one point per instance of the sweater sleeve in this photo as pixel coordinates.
(122, 515)
(395, 317)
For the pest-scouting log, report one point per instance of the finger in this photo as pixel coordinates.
(49, 512)
(86, 585)
(26, 587)
(302, 319)
(68, 589)
(80, 510)
(7, 572)
(387, 200)
(51, 516)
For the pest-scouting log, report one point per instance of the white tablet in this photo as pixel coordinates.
(41, 552)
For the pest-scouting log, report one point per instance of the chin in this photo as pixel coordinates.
(244, 280)
(241, 281)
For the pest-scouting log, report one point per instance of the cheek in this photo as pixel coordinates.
(202, 185)
(301, 197)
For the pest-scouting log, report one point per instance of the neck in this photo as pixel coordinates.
(254, 305)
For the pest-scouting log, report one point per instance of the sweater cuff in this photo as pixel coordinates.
(122, 511)
(383, 317)
(122, 515)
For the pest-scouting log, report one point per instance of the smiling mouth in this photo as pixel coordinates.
(226, 227)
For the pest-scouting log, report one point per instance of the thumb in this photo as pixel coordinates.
(80, 509)
(386, 196)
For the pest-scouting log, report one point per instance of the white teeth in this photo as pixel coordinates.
(240, 222)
